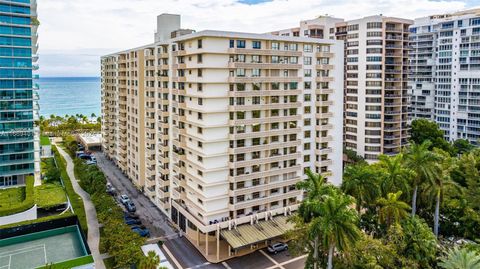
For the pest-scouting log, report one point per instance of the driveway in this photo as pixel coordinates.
(150, 215)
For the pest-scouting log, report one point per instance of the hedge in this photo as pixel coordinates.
(44, 219)
(28, 203)
(70, 263)
(75, 199)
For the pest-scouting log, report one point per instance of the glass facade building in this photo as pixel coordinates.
(19, 137)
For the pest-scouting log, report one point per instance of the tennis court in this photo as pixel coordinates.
(41, 248)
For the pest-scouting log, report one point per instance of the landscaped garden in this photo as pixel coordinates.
(49, 195)
(18, 199)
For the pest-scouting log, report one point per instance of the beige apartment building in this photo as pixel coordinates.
(216, 128)
(376, 78)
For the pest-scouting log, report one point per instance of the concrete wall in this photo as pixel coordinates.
(30, 214)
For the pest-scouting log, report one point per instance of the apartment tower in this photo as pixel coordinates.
(218, 127)
(375, 83)
(19, 136)
(445, 66)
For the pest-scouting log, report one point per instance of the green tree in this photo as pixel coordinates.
(337, 224)
(392, 209)
(316, 190)
(421, 161)
(361, 182)
(415, 241)
(423, 130)
(437, 185)
(151, 261)
(395, 176)
(462, 146)
(460, 258)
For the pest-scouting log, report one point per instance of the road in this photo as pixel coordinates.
(185, 255)
(150, 215)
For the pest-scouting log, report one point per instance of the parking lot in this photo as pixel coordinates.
(179, 251)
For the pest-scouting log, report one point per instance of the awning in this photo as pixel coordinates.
(247, 234)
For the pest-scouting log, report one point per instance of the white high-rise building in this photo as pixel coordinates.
(445, 66)
(376, 72)
(218, 127)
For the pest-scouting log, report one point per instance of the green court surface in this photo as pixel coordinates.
(41, 248)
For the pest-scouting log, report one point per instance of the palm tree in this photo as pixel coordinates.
(93, 115)
(421, 161)
(392, 209)
(316, 189)
(151, 261)
(437, 185)
(460, 259)
(396, 176)
(361, 182)
(336, 224)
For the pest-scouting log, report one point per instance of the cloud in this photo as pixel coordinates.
(70, 28)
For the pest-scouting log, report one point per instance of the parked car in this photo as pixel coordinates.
(91, 163)
(277, 247)
(130, 215)
(130, 207)
(78, 153)
(124, 199)
(84, 156)
(142, 232)
(133, 221)
(93, 159)
(110, 189)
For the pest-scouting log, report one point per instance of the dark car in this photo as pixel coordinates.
(277, 247)
(130, 207)
(129, 221)
(84, 156)
(142, 232)
(130, 215)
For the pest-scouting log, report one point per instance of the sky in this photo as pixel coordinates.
(73, 34)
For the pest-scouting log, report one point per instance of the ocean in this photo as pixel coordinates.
(69, 96)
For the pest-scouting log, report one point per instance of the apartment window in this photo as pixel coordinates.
(256, 59)
(200, 144)
(200, 159)
(199, 87)
(275, 59)
(256, 114)
(374, 25)
(199, 58)
(200, 116)
(307, 60)
(308, 72)
(275, 46)
(255, 72)
(307, 85)
(232, 43)
(256, 44)
(241, 44)
(199, 130)
(199, 43)
(240, 72)
(307, 48)
(199, 73)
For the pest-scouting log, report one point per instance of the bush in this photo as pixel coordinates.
(91, 178)
(75, 200)
(44, 219)
(27, 203)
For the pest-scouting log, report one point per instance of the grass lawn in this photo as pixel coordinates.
(49, 195)
(44, 141)
(11, 196)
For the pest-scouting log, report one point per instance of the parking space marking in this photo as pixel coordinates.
(272, 260)
(287, 262)
(226, 265)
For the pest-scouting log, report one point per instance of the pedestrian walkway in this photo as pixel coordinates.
(93, 236)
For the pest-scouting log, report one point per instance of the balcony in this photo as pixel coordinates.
(264, 65)
(264, 52)
(263, 79)
(264, 160)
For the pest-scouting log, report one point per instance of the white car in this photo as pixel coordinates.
(124, 199)
(277, 247)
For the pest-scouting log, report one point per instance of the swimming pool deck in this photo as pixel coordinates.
(38, 249)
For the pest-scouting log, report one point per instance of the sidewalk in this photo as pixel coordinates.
(93, 236)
